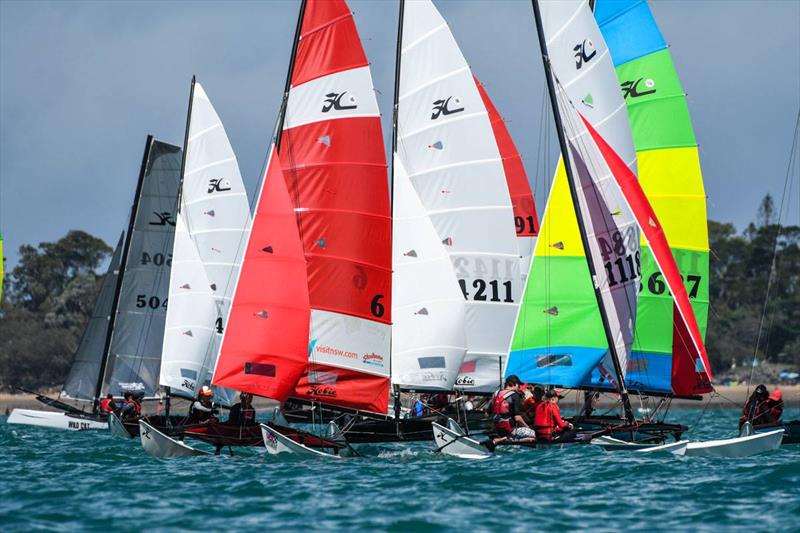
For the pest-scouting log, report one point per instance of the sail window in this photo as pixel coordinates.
(431, 362)
(259, 369)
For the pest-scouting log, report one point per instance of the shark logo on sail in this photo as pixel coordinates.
(218, 185)
(584, 52)
(442, 107)
(631, 88)
(337, 102)
(162, 219)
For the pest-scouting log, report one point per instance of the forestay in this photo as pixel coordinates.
(215, 219)
(81, 383)
(136, 339)
(669, 173)
(447, 145)
(333, 156)
(264, 347)
(428, 336)
(560, 337)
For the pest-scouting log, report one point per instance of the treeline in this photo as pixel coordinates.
(49, 295)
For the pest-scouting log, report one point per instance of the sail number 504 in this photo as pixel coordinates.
(153, 302)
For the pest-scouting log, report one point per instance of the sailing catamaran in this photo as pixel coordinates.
(120, 347)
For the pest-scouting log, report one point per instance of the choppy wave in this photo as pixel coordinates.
(89, 481)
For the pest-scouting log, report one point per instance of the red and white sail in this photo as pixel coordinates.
(446, 143)
(525, 218)
(264, 346)
(334, 163)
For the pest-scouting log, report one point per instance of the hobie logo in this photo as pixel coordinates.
(338, 102)
(632, 88)
(584, 52)
(322, 390)
(443, 107)
(218, 185)
(162, 219)
(465, 381)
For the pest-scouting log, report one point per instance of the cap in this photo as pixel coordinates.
(205, 390)
(776, 395)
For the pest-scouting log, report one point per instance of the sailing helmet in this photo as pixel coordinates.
(205, 390)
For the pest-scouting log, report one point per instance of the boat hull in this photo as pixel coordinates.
(407, 429)
(791, 430)
(57, 420)
(159, 445)
(737, 447)
(453, 442)
(277, 443)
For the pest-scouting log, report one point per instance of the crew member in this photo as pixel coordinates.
(773, 408)
(243, 413)
(131, 409)
(529, 405)
(550, 426)
(203, 410)
(508, 413)
(754, 407)
(108, 405)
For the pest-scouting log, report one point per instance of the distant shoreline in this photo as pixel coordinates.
(732, 397)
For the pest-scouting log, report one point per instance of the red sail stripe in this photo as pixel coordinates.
(335, 170)
(329, 42)
(265, 347)
(516, 178)
(687, 340)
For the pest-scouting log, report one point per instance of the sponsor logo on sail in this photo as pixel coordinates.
(442, 107)
(271, 440)
(327, 391)
(634, 90)
(218, 185)
(465, 381)
(338, 102)
(162, 219)
(336, 352)
(430, 377)
(584, 52)
(372, 359)
(131, 386)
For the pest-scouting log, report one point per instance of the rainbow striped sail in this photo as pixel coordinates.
(669, 173)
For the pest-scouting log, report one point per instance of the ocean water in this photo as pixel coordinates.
(89, 481)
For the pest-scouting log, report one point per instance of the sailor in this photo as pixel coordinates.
(202, 410)
(549, 424)
(243, 413)
(773, 408)
(418, 409)
(529, 405)
(108, 405)
(508, 413)
(755, 406)
(131, 409)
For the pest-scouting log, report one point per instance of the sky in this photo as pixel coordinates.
(83, 83)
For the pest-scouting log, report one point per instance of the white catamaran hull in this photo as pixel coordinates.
(276, 443)
(159, 445)
(54, 419)
(452, 441)
(117, 428)
(736, 447)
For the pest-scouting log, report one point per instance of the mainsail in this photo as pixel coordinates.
(669, 173)
(137, 323)
(81, 383)
(575, 308)
(446, 143)
(212, 226)
(525, 218)
(332, 152)
(428, 335)
(265, 345)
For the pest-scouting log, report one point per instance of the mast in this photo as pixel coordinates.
(562, 141)
(185, 145)
(122, 265)
(288, 86)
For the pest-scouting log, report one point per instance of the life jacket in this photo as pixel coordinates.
(546, 421)
(501, 408)
(107, 405)
(196, 415)
(137, 407)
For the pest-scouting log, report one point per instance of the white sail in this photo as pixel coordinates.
(586, 86)
(446, 142)
(216, 214)
(428, 335)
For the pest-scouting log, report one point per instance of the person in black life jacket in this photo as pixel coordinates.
(203, 410)
(243, 413)
(509, 421)
(755, 406)
(108, 405)
(131, 409)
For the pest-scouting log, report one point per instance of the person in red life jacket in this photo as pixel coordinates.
(549, 425)
(530, 403)
(773, 409)
(203, 410)
(243, 413)
(754, 408)
(131, 409)
(107, 405)
(508, 414)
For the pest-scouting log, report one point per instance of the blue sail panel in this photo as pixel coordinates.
(629, 29)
